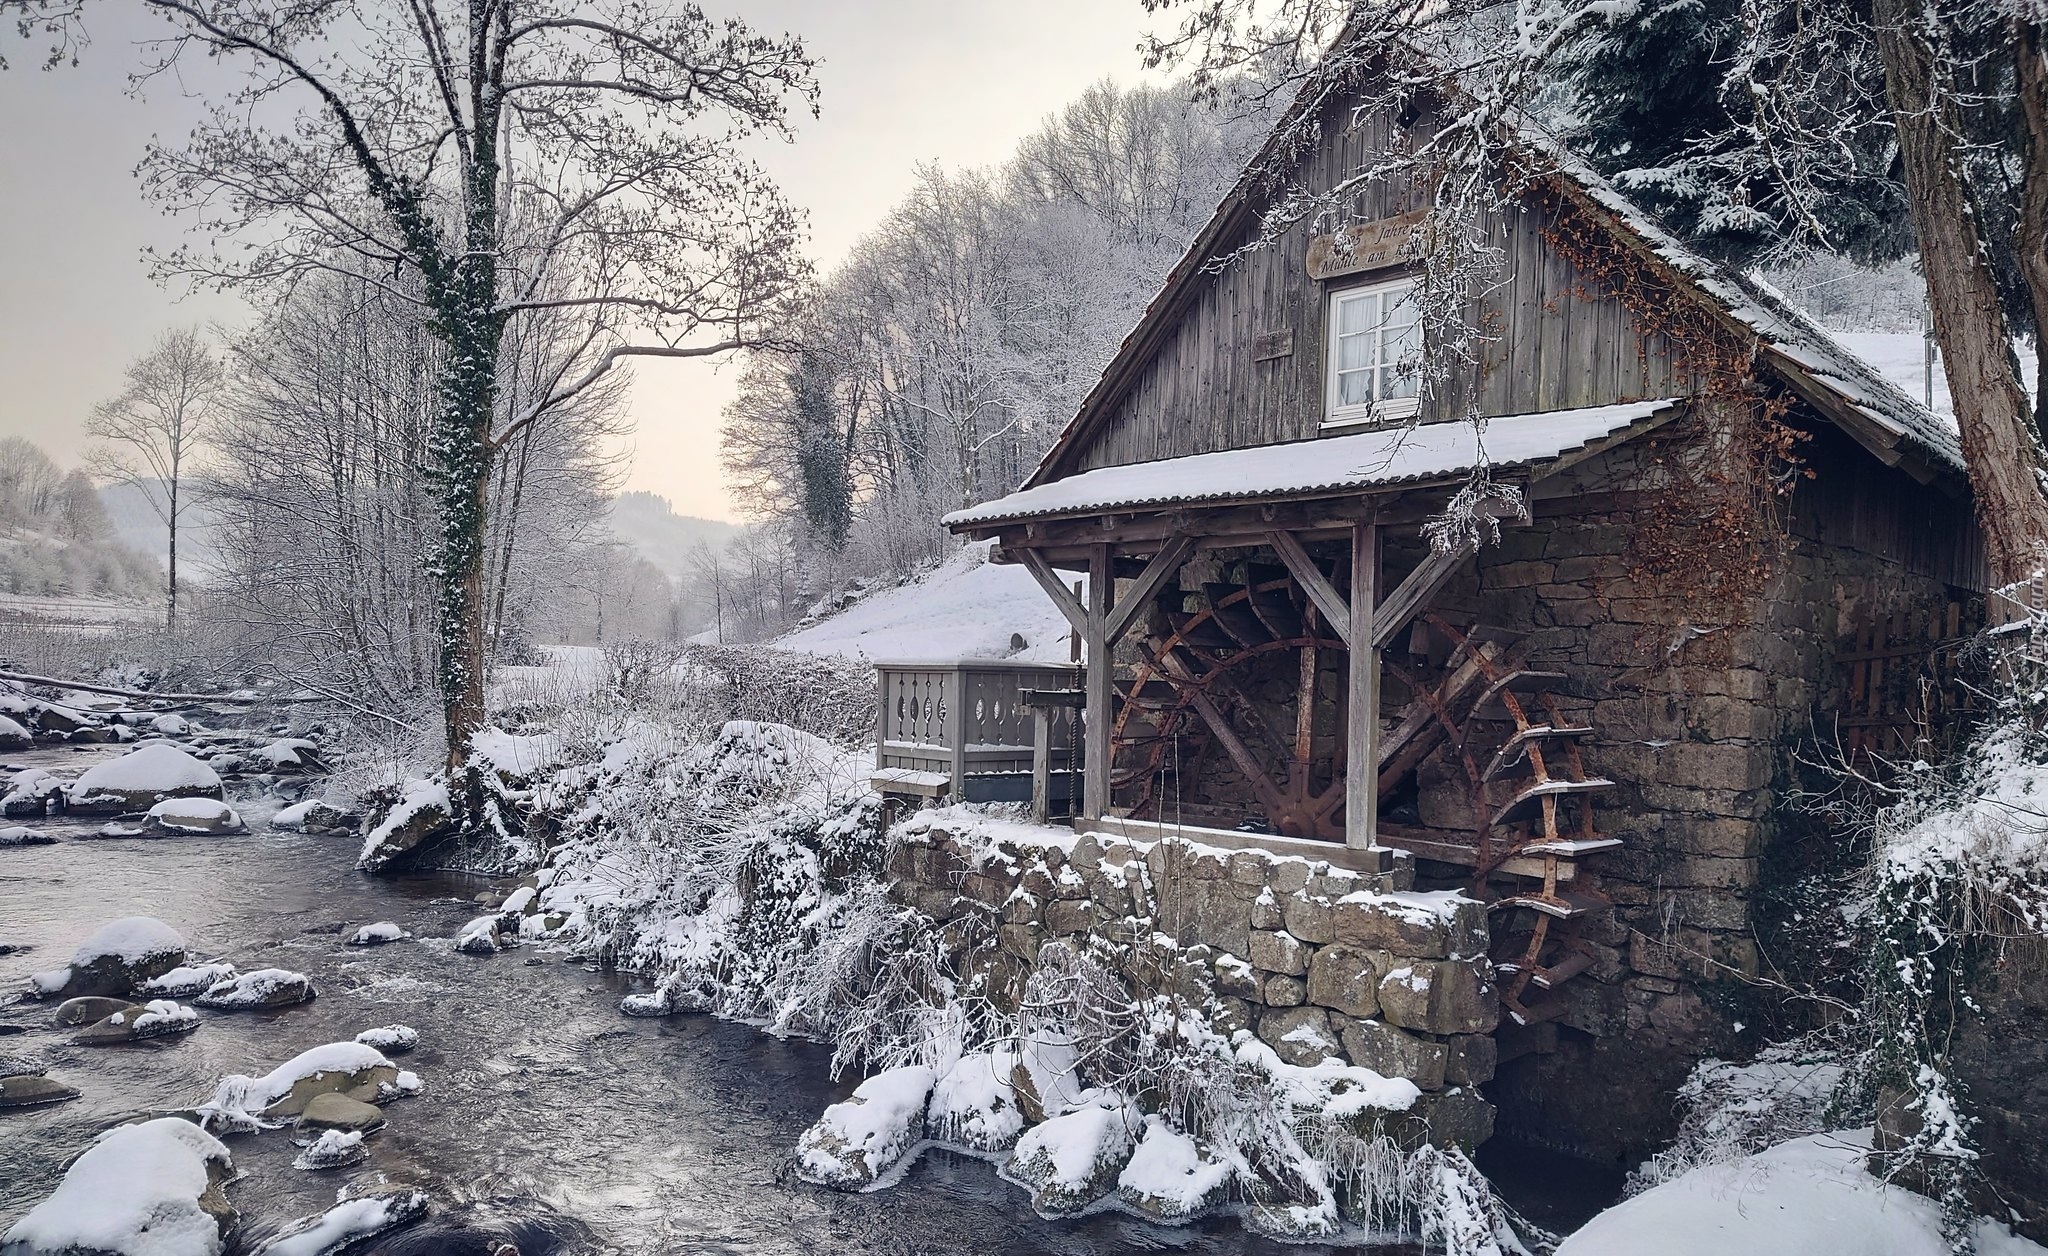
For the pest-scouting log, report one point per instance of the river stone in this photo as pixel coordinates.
(266, 987)
(194, 815)
(13, 736)
(31, 1090)
(20, 835)
(92, 1009)
(1392, 1052)
(1071, 1161)
(399, 826)
(1346, 978)
(153, 950)
(363, 1085)
(142, 778)
(334, 1111)
(855, 1142)
(1172, 1178)
(1440, 997)
(159, 1019)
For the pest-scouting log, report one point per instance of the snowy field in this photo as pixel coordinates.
(967, 608)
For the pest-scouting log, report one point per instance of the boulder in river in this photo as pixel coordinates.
(390, 1039)
(1172, 1178)
(416, 816)
(186, 980)
(115, 960)
(265, 987)
(142, 778)
(855, 1142)
(91, 1009)
(974, 1106)
(355, 1217)
(480, 937)
(349, 1068)
(30, 793)
(339, 1112)
(22, 835)
(1073, 1160)
(159, 1018)
(13, 736)
(32, 1090)
(150, 1189)
(486, 1227)
(333, 1149)
(378, 934)
(194, 815)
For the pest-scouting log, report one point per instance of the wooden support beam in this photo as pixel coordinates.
(1094, 627)
(1414, 593)
(1336, 611)
(1157, 572)
(1269, 794)
(1055, 588)
(1041, 764)
(1362, 719)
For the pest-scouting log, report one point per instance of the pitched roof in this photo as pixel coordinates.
(1825, 373)
(1375, 459)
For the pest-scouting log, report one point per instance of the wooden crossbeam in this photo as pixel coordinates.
(1336, 610)
(1413, 593)
(1055, 588)
(1219, 724)
(1134, 600)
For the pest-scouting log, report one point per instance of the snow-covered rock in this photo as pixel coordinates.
(152, 1189)
(377, 934)
(91, 1008)
(421, 812)
(314, 815)
(1171, 1178)
(158, 1018)
(1047, 1077)
(288, 755)
(855, 1142)
(143, 777)
(1808, 1197)
(31, 793)
(116, 959)
(194, 815)
(479, 937)
(390, 1039)
(265, 987)
(347, 1223)
(1071, 1161)
(974, 1106)
(187, 980)
(22, 835)
(349, 1068)
(13, 736)
(333, 1149)
(170, 725)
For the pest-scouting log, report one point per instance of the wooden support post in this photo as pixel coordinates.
(1146, 587)
(1362, 722)
(1096, 748)
(1041, 763)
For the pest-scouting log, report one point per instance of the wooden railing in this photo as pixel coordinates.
(943, 727)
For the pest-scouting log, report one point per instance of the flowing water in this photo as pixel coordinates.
(660, 1135)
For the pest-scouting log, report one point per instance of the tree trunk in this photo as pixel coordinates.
(1992, 410)
(2030, 57)
(171, 518)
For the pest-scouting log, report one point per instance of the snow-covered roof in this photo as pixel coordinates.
(1790, 338)
(1375, 459)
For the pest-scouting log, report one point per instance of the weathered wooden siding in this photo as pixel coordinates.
(1561, 340)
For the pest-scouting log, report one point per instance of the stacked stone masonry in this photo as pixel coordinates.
(1319, 962)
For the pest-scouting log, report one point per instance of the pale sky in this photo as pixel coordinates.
(957, 82)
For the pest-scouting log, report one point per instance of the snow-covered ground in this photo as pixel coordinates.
(1899, 357)
(966, 608)
(1808, 1197)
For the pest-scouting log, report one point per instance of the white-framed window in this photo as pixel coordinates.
(1374, 338)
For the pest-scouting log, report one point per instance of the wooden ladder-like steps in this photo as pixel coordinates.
(1562, 905)
(1539, 790)
(1521, 680)
(1512, 753)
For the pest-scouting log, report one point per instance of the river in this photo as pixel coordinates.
(663, 1136)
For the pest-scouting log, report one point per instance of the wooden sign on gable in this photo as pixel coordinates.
(1367, 246)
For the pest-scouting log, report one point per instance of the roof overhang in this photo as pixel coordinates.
(1381, 461)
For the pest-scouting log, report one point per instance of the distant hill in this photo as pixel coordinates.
(660, 535)
(138, 528)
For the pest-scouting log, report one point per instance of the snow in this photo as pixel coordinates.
(332, 1150)
(1169, 1170)
(132, 939)
(391, 1039)
(22, 835)
(1067, 1160)
(170, 725)
(967, 607)
(294, 816)
(202, 814)
(161, 1016)
(11, 731)
(154, 768)
(1808, 1197)
(286, 752)
(251, 989)
(973, 1105)
(516, 756)
(419, 795)
(134, 1192)
(381, 931)
(854, 1142)
(1366, 459)
(349, 1221)
(187, 979)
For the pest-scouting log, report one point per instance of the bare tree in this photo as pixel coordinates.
(149, 434)
(508, 160)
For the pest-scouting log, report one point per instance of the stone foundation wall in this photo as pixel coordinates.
(1319, 962)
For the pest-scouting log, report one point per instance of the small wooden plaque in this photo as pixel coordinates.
(1367, 246)
(1268, 345)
